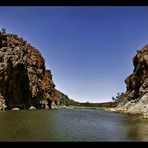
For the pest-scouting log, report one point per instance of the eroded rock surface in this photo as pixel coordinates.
(137, 82)
(24, 80)
(136, 96)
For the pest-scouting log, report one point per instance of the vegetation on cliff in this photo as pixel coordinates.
(118, 98)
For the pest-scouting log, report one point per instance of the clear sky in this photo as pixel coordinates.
(88, 49)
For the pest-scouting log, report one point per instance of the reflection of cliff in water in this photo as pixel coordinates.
(137, 128)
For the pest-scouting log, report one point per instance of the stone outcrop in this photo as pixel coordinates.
(136, 97)
(24, 80)
(137, 82)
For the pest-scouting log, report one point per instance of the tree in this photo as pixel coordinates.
(3, 30)
(118, 98)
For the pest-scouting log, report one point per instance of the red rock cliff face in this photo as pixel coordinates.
(137, 82)
(24, 81)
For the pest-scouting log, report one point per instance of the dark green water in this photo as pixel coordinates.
(71, 125)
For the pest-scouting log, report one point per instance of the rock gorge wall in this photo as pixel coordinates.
(137, 82)
(24, 80)
(136, 96)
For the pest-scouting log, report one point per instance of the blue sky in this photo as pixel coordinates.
(89, 49)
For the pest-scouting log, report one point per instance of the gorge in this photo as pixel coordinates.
(25, 83)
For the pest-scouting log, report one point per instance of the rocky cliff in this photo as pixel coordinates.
(137, 82)
(136, 95)
(24, 80)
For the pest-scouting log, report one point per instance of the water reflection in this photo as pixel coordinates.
(26, 125)
(136, 128)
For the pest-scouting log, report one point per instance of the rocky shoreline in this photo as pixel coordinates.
(139, 106)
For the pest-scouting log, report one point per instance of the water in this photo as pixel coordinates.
(71, 125)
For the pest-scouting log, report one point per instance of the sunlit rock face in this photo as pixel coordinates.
(136, 96)
(24, 80)
(137, 82)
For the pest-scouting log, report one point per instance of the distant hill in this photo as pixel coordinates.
(103, 104)
(64, 100)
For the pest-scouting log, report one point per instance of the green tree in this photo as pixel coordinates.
(118, 98)
(3, 30)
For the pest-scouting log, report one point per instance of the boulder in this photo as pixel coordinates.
(15, 108)
(32, 108)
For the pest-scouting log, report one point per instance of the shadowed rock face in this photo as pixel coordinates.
(24, 81)
(137, 82)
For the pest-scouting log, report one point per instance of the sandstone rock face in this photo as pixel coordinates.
(136, 96)
(24, 80)
(137, 82)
